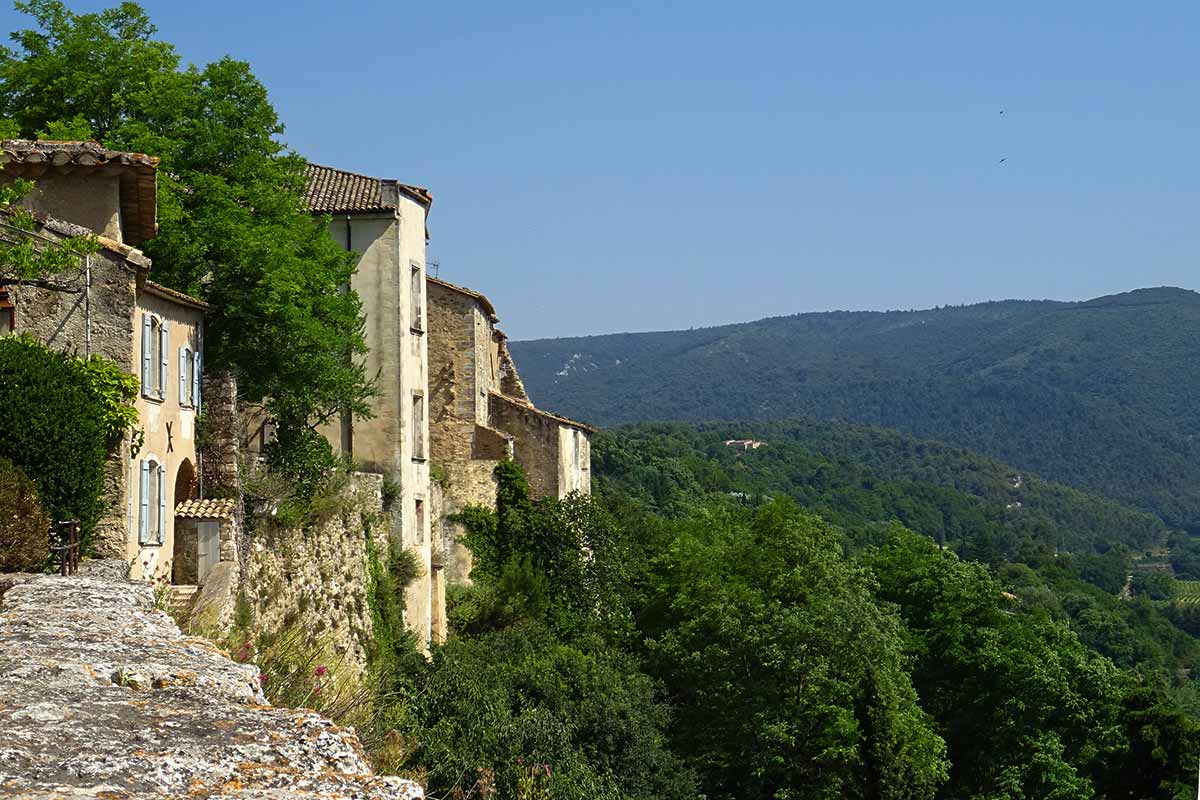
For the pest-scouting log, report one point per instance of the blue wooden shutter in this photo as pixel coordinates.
(162, 503)
(196, 381)
(164, 350)
(146, 354)
(184, 360)
(144, 505)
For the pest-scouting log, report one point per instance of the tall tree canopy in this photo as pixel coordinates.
(788, 680)
(233, 227)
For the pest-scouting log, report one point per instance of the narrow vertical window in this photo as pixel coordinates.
(417, 291)
(152, 507)
(144, 504)
(185, 383)
(420, 517)
(418, 426)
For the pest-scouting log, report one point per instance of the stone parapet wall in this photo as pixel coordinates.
(102, 696)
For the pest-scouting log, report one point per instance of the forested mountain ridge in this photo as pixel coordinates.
(1098, 394)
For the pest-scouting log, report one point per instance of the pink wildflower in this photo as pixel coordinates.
(320, 671)
(262, 678)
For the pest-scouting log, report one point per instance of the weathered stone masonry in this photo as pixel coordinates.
(101, 696)
(481, 414)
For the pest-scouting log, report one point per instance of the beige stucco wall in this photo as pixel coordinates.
(91, 200)
(391, 246)
(574, 461)
(169, 429)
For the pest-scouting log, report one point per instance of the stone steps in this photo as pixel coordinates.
(181, 599)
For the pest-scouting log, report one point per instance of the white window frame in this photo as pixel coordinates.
(417, 301)
(186, 382)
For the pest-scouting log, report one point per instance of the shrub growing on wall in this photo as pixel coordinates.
(24, 524)
(61, 416)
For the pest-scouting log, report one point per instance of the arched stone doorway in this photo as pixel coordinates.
(185, 482)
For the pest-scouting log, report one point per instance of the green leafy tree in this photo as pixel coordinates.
(1025, 709)
(788, 680)
(558, 561)
(233, 228)
(493, 706)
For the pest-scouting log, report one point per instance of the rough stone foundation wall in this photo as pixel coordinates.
(316, 578)
(101, 696)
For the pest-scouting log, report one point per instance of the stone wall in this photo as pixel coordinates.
(90, 199)
(101, 696)
(100, 321)
(535, 442)
(317, 577)
(219, 444)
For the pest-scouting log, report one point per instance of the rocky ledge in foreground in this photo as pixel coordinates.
(102, 696)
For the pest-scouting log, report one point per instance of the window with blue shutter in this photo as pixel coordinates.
(196, 380)
(185, 360)
(162, 503)
(164, 350)
(146, 345)
(144, 505)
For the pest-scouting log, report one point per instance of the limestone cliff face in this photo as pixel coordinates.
(101, 695)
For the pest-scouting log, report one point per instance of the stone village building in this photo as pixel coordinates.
(448, 390)
(480, 414)
(449, 393)
(112, 308)
(385, 221)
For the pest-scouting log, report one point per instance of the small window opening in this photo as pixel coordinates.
(416, 290)
(418, 426)
(420, 528)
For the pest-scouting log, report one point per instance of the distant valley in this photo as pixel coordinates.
(1099, 394)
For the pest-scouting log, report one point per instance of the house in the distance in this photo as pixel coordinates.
(744, 444)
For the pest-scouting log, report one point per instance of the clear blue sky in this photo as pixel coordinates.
(618, 166)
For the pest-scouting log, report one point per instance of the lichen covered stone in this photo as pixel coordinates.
(101, 695)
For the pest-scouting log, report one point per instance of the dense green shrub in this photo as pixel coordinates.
(520, 706)
(61, 416)
(24, 525)
(302, 456)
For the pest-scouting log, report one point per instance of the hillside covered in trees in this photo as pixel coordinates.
(1097, 394)
(759, 624)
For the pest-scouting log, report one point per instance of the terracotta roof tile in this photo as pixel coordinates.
(332, 191)
(60, 154)
(138, 176)
(158, 290)
(205, 509)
